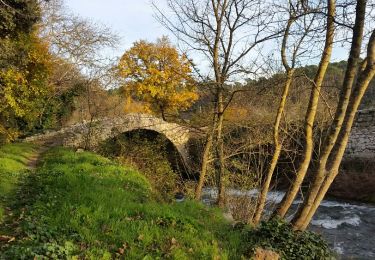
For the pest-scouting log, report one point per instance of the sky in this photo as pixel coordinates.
(133, 20)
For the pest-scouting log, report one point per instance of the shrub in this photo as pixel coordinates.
(150, 153)
(278, 236)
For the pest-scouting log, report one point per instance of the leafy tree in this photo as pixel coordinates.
(24, 86)
(24, 68)
(157, 74)
(18, 16)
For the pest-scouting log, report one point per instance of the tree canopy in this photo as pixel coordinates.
(24, 67)
(157, 74)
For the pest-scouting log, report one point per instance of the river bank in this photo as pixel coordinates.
(348, 226)
(82, 205)
(356, 181)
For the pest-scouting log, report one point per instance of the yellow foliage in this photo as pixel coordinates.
(132, 106)
(24, 85)
(236, 113)
(159, 76)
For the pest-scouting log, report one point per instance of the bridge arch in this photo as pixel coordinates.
(90, 135)
(123, 142)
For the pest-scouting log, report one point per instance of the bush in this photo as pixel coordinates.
(150, 153)
(278, 236)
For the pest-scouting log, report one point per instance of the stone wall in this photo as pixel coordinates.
(362, 139)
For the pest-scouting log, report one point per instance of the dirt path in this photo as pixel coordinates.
(34, 159)
(43, 147)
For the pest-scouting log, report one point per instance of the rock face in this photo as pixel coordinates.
(362, 139)
(90, 135)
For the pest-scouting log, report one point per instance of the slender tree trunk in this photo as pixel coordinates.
(220, 150)
(350, 74)
(289, 78)
(205, 159)
(360, 88)
(162, 114)
(289, 197)
(266, 184)
(91, 114)
(219, 11)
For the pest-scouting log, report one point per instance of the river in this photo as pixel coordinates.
(349, 227)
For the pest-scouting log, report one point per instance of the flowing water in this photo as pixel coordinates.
(349, 227)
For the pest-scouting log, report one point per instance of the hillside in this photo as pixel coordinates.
(81, 205)
(85, 205)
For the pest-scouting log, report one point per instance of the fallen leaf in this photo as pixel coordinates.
(4, 238)
(7, 239)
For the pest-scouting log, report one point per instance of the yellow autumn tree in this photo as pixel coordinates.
(24, 86)
(157, 74)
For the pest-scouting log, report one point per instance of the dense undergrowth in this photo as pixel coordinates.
(151, 154)
(84, 206)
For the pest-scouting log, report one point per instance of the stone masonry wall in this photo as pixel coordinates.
(76, 136)
(362, 139)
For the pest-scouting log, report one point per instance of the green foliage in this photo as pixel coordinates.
(151, 154)
(277, 235)
(18, 16)
(23, 85)
(83, 205)
(24, 68)
(335, 69)
(60, 105)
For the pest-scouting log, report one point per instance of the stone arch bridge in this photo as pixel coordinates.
(91, 134)
(361, 143)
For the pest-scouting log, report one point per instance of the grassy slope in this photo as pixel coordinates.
(13, 163)
(81, 204)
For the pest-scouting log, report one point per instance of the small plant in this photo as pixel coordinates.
(278, 236)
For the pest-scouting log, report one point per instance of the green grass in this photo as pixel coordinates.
(83, 205)
(13, 161)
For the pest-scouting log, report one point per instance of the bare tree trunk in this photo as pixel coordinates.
(329, 143)
(289, 197)
(289, 78)
(216, 31)
(220, 150)
(163, 114)
(219, 12)
(360, 88)
(205, 159)
(266, 184)
(91, 114)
